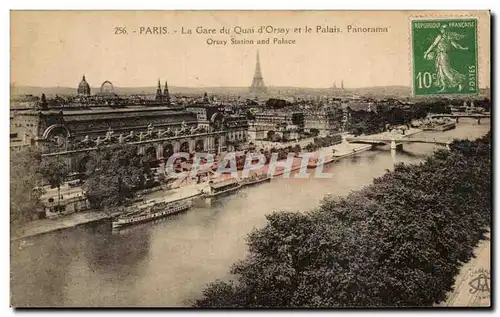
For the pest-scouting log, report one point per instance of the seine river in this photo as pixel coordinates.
(169, 262)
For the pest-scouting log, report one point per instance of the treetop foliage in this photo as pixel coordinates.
(120, 171)
(397, 242)
(24, 177)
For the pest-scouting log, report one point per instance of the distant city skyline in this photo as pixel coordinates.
(95, 86)
(54, 49)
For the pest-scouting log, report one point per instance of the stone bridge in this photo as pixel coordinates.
(396, 142)
(457, 116)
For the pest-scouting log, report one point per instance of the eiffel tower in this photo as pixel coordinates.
(258, 82)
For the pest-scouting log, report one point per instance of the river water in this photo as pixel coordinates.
(169, 262)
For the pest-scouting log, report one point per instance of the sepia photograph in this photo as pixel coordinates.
(250, 159)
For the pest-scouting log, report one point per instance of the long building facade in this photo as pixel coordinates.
(76, 134)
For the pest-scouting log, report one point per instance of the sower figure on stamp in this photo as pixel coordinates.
(447, 77)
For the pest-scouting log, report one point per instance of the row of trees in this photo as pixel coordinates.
(397, 242)
(370, 122)
(363, 122)
(28, 172)
(24, 178)
(275, 137)
(283, 152)
(116, 175)
(275, 103)
(320, 142)
(441, 105)
(120, 173)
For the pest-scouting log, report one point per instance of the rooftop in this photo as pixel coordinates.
(107, 110)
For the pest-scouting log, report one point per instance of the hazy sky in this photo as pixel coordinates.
(54, 48)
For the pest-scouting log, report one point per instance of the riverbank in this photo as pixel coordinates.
(182, 191)
(169, 262)
(366, 220)
(43, 226)
(388, 134)
(339, 151)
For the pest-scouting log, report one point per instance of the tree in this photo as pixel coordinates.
(54, 171)
(270, 134)
(273, 270)
(43, 102)
(368, 122)
(311, 147)
(485, 103)
(276, 103)
(120, 172)
(397, 242)
(219, 294)
(276, 138)
(24, 179)
(314, 132)
(250, 114)
(297, 149)
(438, 106)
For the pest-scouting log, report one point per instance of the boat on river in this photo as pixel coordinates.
(255, 179)
(151, 211)
(222, 188)
(320, 158)
(439, 127)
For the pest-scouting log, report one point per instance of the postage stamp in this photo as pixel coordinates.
(444, 53)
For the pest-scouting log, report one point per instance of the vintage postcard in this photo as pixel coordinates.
(250, 159)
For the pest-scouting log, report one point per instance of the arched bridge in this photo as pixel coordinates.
(396, 142)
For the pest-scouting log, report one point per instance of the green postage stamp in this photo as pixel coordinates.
(444, 55)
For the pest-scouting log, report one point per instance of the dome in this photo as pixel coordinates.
(83, 87)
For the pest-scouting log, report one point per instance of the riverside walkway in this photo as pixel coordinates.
(41, 226)
(472, 286)
(183, 189)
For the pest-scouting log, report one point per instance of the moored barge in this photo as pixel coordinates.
(222, 188)
(255, 179)
(151, 211)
